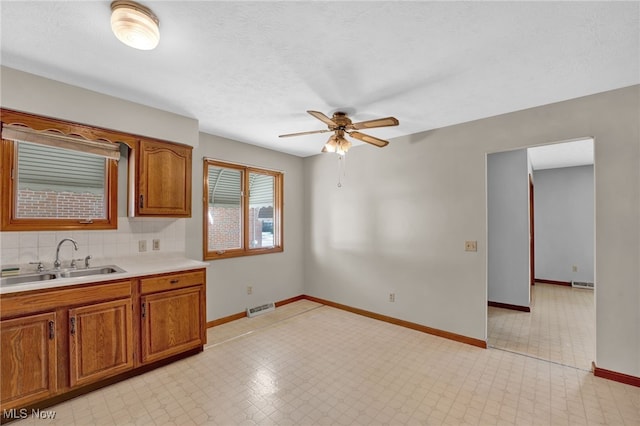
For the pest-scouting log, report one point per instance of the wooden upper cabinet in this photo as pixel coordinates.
(101, 341)
(163, 179)
(28, 359)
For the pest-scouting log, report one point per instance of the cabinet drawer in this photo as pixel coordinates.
(42, 300)
(170, 282)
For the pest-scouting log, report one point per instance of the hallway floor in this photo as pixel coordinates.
(309, 364)
(559, 328)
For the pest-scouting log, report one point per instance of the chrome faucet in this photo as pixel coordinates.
(56, 263)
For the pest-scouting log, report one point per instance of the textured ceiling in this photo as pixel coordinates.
(567, 154)
(249, 70)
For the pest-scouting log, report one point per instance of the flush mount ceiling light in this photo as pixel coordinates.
(134, 25)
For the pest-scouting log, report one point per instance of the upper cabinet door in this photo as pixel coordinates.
(163, 179)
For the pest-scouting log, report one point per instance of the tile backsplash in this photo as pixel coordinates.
(24, 247)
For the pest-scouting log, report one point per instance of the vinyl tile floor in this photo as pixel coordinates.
(559, 328)
(309, 364)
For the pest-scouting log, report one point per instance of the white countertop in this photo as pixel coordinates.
(134, 266)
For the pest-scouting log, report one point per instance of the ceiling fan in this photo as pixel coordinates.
(340, 124)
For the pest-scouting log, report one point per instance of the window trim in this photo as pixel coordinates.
(8, 158)
(278, 222)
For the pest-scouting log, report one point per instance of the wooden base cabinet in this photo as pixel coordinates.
(63, 341)
(172, 314)
(100, 342)
(28, 354)
(170, 323)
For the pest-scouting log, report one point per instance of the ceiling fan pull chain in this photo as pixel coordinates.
(341, 169)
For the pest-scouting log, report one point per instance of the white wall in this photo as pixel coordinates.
(401, 220)
(564, 223)
(26, 92)
(508, 227)
(275, 276)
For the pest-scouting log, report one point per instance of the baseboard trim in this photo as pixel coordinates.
(543, 281)
(227, 319)
(508, 306)
(240, 315)
(290, 300)
(434, 331)
(615, 376)
(423, 328)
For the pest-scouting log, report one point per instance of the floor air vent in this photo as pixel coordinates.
(582, 284)
(257, 310)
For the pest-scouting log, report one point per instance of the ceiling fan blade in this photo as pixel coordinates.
(369, 139)
(378, 122)
(304, 133)
(320, 116)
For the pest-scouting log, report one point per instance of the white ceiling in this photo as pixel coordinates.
(249, 70)
(566, 154)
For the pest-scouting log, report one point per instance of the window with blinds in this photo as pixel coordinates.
(243, 215)
(59, 183)
(57, 175)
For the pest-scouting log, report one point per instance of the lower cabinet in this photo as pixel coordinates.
(100, 342)
(170, 323)
(172, 314)
(28, 359)
(61, 339)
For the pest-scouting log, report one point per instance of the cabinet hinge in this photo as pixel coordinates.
(52, 330)
(73, 325)
(144, 310)
(141, 201)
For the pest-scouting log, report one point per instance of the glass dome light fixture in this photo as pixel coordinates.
(135, 25)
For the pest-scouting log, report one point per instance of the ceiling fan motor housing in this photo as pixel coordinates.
(341, 119)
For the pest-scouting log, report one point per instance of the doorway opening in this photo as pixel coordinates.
(541, 249)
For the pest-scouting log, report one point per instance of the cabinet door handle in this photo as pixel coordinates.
(141, 200)
(144, 310)
(52, 330)
(174, 281)
(73, 325)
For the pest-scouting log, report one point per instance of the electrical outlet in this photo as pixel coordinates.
(470, 246)
(142, 245)
(156, 244)
(249, 289)
(574, 268)
(392, 297)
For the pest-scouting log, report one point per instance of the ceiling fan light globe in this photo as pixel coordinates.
(330, 146)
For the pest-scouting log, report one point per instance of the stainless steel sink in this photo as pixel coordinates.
(95, 270)
(27, 278)
(63, 273)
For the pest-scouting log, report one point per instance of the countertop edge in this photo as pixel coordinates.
(134, 268)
